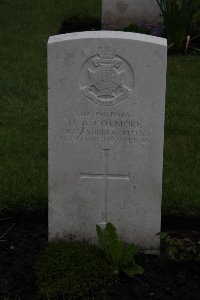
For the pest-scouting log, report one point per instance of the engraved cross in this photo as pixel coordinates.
(105, 176)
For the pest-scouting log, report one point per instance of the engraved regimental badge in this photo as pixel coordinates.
(106, 79)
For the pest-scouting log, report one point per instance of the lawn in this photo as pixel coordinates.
(181, 180)
(24, 30)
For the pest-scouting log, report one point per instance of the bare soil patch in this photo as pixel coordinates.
(163, 278)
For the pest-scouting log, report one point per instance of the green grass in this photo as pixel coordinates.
(181, 180)
(24, 30)
(72, 269)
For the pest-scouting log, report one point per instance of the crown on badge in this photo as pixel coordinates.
(106, 52)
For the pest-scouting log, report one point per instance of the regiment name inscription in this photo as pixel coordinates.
(103, 127)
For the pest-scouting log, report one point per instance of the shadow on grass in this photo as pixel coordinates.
(75, 24)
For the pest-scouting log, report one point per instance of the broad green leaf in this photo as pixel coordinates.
(128, 255)
(133, 270)
(112, 246)
(119, 254)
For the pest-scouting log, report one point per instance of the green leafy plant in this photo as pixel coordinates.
(119, 254)
(180, 249)
(178, 16)
(69, 269)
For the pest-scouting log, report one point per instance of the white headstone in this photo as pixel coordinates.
(118, 14)
(106, 130)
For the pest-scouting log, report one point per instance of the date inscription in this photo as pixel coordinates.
(103, 127)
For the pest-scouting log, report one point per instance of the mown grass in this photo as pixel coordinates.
(181, 180)
(24, 30)
(71, 270)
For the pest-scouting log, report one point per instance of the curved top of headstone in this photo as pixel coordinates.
(108, 34)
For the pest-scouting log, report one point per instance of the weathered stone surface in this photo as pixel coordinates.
(106, 128)
(117, 14)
